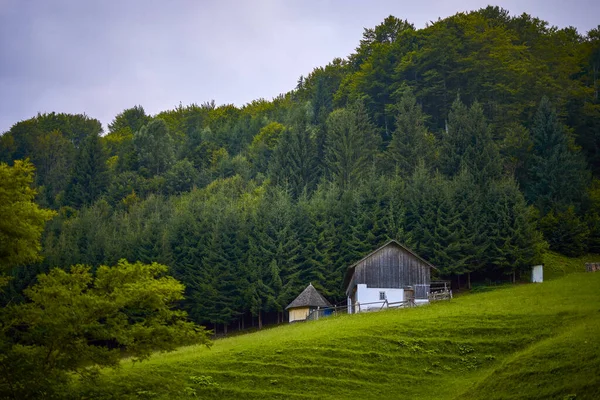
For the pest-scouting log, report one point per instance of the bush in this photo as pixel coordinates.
(76, 322)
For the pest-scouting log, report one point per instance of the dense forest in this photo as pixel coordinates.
(475, 141)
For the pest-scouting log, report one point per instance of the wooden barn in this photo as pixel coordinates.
(392, 273)
(310, 299)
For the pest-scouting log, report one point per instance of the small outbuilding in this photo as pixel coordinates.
(310, 299)
(537, 274)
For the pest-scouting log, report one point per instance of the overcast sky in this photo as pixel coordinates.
(101, 57)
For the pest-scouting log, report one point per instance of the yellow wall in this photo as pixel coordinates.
(298, 314)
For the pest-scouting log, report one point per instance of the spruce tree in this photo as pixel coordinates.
(294, 163)
(557, 176)
(411, 141)
(351, 145)
(89, 178)
(468, 143)
(513, 242)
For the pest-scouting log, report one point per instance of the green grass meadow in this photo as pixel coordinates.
(529, 341)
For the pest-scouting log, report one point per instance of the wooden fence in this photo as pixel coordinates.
(436, 291)
(326, 312)
(442, 295)
(592, 267)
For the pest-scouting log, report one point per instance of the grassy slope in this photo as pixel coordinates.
(528, 341)
(557, 265)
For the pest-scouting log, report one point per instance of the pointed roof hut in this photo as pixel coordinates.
(306, 301)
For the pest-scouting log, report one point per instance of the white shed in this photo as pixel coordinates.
(537, 274)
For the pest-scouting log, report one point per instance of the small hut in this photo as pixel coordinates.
(310, 299)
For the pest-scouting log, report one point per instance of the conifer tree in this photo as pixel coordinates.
(89, 178)
(411, 141)
(468, 143)
(351, 145)
(466, 222)
(513, 242)
(422, 199)
(557, 174)
(294, 163)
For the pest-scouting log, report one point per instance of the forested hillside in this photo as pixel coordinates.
(475, 141)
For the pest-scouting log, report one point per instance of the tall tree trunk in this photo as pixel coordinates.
(469, 280)
(259, 320)
(225, 329)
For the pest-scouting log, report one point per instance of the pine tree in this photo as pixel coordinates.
(89, 178)
(422, 198)
(294, 163)
(469, 244)
(513, 242)
(351, 145)
(565, 232)
(411, 141)
(557, 176)
(468, 143)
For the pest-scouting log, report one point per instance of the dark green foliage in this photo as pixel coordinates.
(132, 119)
(557, 176)
(565, 232)
(51, 142)
(513, 243)
(467, 143)
(411, 140)
(181, 177)
(75, 319)
(294, 161)
(89, 177)
(351, 146)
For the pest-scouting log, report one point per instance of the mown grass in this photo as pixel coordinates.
(533, 341)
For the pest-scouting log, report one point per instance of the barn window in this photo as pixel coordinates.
(382, 296)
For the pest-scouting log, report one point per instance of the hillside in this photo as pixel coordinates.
(527, 342)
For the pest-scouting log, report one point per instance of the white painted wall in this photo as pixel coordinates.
(366, 295)
(537, 274)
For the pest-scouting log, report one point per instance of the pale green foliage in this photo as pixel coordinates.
(77, 321)
(21, 220)
(264, 143)
(155, 146)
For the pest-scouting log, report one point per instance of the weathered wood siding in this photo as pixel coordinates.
(391, 267)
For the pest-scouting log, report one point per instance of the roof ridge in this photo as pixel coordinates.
(310, 297)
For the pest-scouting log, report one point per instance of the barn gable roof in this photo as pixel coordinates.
(309, 297)
(350, 270)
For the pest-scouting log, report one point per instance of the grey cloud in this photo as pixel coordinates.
(100, 57)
